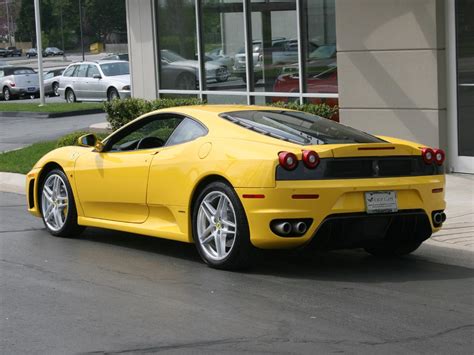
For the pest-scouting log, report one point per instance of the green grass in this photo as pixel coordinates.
(22, 160)
(53, 107)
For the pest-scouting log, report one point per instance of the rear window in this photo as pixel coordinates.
(299, 127)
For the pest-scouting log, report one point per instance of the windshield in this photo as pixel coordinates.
(323, 52)
(170, 56)
(114, 69)
(299, 127)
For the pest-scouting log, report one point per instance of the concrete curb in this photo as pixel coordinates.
(50, 114)
(10, 182)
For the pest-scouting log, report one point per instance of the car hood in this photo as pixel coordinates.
(194, 64)
(122, 79)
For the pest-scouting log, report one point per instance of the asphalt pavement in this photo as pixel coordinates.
(17, 132)
(111, 292)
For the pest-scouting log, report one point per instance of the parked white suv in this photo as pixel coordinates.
(95, 81)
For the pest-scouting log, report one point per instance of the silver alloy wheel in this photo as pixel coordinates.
(70, 96)
(55, 89)
(113, 94)
(6, 94)
(54, 202)
(216, 225)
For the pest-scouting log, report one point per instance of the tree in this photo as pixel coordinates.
(103, 17)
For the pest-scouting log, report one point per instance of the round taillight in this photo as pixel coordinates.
(287, 160)
(310, 159)
(428, 155)
(439, 156)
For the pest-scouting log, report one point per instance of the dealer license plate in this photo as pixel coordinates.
(32, 89)
(381, 201)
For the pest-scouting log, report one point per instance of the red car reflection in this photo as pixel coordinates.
(325, 82)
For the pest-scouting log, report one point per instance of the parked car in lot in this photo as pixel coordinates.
(219, 57)
(95, 81)
(17, 82)
(32, 52)
(51, 82)
(116, 56)
(52, 51)
(3, 52)
(14, 52)
(181, 73)
(233, 178)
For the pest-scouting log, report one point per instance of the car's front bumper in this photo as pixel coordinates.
(334, 197)
(124, 94)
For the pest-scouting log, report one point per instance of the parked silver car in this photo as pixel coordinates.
(18, 81)
(95, 81)
(51, 82)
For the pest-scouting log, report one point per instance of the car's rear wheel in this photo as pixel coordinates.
(220, 228)
(391, 248)
(56, 89)
(7, 96)
(112, 94)
(70, 96)
(58, 208)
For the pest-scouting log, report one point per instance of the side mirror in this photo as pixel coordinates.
(96, 76)
(90, 140)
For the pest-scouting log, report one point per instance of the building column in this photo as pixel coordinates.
(391, 68)
(142, 48)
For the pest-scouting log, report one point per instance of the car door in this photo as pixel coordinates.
(174, 166)
(112, 184)
(94, 86)
(79, 82)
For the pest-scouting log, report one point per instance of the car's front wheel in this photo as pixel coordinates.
(113, 94)
(70, 96)
(58, 208)
(220, 228)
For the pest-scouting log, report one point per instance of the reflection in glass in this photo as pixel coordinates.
(176, 27)
(223, 41)
(465, 68)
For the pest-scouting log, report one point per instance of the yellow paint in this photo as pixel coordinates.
(150, 191)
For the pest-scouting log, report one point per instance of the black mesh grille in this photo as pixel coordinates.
(366, 167)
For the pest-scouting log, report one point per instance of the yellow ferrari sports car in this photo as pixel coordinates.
(234, 178)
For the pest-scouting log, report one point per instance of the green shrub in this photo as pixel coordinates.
(323, 110)
(120, 112)
(71, 138)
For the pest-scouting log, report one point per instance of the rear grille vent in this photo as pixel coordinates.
(361, 167)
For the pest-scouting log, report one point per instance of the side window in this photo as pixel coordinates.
(92, 71)
(151, 132)
(48, 75)
(70, 71)
(187, 131)
(81, 72)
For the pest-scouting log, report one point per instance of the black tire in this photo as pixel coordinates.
(390, 248)
(7, 95)
(186, 81)
(55, 89)
(112, 94)
(70, 96)
(70, 228)
(240, 253)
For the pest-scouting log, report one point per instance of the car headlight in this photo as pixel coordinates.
(126, 87)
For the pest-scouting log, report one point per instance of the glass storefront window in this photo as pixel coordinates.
(465, 76)
(223, 42)
(277, 34)
(177, 42)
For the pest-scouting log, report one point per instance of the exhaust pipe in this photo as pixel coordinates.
(438, 218)
(300, 227)
(282, 228)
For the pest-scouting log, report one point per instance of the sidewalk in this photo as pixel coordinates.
(457, 232)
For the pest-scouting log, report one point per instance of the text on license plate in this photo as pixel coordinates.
(32, 89)
(381, 201)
